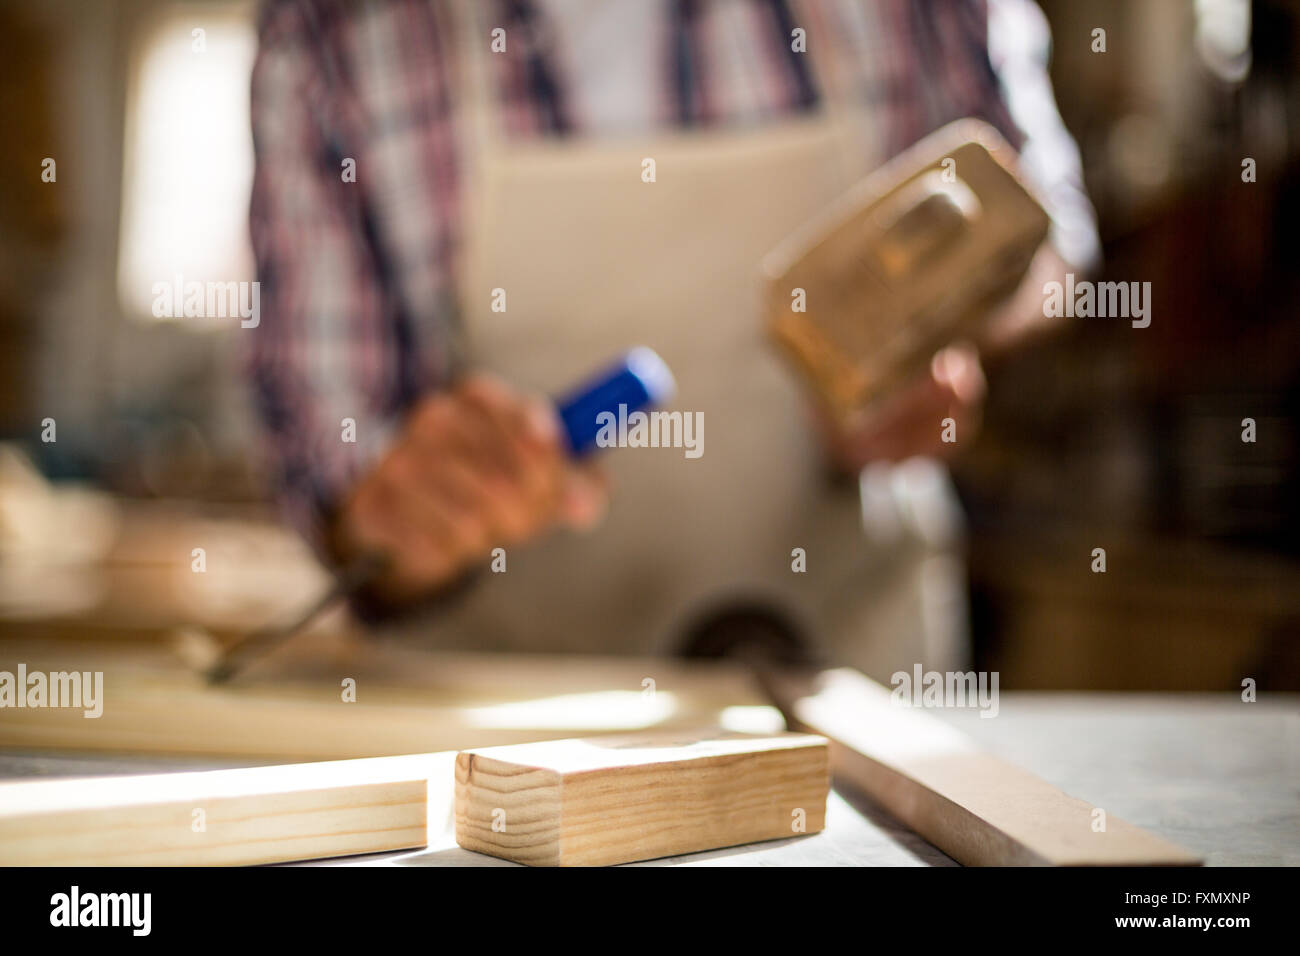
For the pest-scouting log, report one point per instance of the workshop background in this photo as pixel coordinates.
(1099, 437)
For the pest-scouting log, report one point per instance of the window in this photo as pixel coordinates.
(188, 154)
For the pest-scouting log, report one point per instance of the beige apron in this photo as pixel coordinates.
(594, 260)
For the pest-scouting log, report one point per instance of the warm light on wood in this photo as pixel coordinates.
(220, 817)
(617, 799)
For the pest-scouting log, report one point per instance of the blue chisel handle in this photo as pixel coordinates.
(638, 380)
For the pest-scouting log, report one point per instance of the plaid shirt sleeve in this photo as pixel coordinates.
(330, 331)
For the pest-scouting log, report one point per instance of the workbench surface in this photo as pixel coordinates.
(1216, 775)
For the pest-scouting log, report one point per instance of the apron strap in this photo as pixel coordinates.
(819, 74)
(479, 116)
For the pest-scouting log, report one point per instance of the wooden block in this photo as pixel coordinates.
(980, 810)
(256, 815)
(906, 261)
(600, 801)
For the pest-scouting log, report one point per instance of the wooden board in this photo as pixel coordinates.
(256, 815)
(980, 810)
(406, 701)
(602, 801)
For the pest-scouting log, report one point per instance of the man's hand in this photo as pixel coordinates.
(476, 467)
(910, 422)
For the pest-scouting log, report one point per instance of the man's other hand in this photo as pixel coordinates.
(912, 420)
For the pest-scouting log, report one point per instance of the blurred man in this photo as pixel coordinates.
(449, 189)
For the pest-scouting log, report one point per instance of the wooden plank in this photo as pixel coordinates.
(248, 816)
(405, 701)
(95, 565)
(602, 801)
(980, 810)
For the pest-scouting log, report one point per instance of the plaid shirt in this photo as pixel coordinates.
(357, 288)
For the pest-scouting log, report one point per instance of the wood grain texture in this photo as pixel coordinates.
(407, 701)
(980, 810)
(905, 262)
(256, 815)
(603, 801)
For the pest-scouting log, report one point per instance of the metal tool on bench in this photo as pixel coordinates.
(638, 380)
(909, 260)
